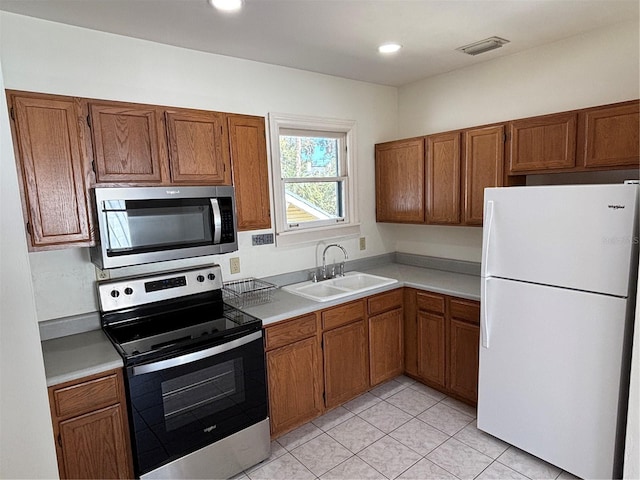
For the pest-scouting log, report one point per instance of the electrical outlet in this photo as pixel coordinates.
(102, 274)
(363, 243)
(234, 265)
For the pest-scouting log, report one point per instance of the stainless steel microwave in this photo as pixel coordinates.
(153, 224)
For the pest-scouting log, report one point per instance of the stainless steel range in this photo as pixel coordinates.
(195, 374)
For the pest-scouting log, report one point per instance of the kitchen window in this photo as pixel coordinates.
(313, 163)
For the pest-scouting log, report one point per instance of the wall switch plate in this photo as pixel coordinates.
(262, 239)
(363, 243)
(102, 274)
(234, 265)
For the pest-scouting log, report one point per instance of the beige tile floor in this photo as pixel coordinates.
(400, 429)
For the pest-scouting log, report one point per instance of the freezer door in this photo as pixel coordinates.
(549, 380)
(577, 236)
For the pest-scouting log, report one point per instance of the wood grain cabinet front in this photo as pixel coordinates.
(248, 148)
(198, 147)
(546, 142)
(294, 373)
(91, 428)
(400, 177)
(443, 178)
(443, 353)
(129, 143)
(345, 353)
(53, 169)
(611, 136)
(386, 342)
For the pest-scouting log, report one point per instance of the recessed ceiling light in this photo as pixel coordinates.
(389, 47)
(226, 5)
(482, 46)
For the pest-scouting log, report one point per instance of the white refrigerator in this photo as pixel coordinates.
(559, 266)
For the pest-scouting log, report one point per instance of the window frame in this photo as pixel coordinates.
(348, 225)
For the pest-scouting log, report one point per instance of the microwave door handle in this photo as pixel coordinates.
(217, 221)
(195, 356)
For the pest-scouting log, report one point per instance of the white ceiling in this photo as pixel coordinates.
(340, 37)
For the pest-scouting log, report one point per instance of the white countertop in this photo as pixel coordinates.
(76, 356)
(286, 305)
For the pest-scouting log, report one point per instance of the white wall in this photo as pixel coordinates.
(592, 69)
(26, 435)
(49, 57)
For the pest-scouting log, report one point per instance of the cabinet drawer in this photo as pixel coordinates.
(430, 302)
(385, 301)
(465, 310)
(342, 315)
(87, 396)
(290, 331)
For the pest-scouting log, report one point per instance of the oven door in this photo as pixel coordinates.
(182, 404)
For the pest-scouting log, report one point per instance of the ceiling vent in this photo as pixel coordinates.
(482, 46)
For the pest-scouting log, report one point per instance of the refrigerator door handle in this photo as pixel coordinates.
(484, 324)
(487, 246)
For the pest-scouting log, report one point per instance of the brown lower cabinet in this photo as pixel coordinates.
(91, 428)
(294, 372)
(442, 335)
(319, 361)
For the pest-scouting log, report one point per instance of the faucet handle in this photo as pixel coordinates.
(342, 269)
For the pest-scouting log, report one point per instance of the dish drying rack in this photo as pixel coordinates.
(247, 292)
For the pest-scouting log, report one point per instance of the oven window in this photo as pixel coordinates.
(202, 393)
(137, 226)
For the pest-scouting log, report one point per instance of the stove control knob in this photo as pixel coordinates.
(128, 291)
(211, 276)
(115, 293)
(200, 278)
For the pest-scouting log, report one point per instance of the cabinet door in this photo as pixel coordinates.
(250, 171)
(611, 136)
(295, 392)
(443, 178)
(431, 347)
(464, 341)
(198, 147)
(93, 445)
(128, 143)
(400, 180)
(346, 365)
(483, 167)
(385, 346)
(52, 166)
(543, 143)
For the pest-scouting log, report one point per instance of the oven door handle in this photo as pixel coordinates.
(195, 356)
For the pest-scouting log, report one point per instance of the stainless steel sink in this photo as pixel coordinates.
(332, 289)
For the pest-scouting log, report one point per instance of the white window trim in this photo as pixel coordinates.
(351, 226)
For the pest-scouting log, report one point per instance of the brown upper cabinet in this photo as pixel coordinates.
(543, 143)
(129, 143)
(611, 136)
(65, 145)
(400, 177)
(198, 147)
(444, 185)
(483, 166)
(443, 178)
(599, 138)
(53, 169)
(248, 147)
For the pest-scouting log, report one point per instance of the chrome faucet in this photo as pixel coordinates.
(324, 265)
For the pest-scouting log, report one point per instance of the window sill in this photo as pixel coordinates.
(314, 235)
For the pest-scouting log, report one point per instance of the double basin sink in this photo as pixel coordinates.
(350, 284)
